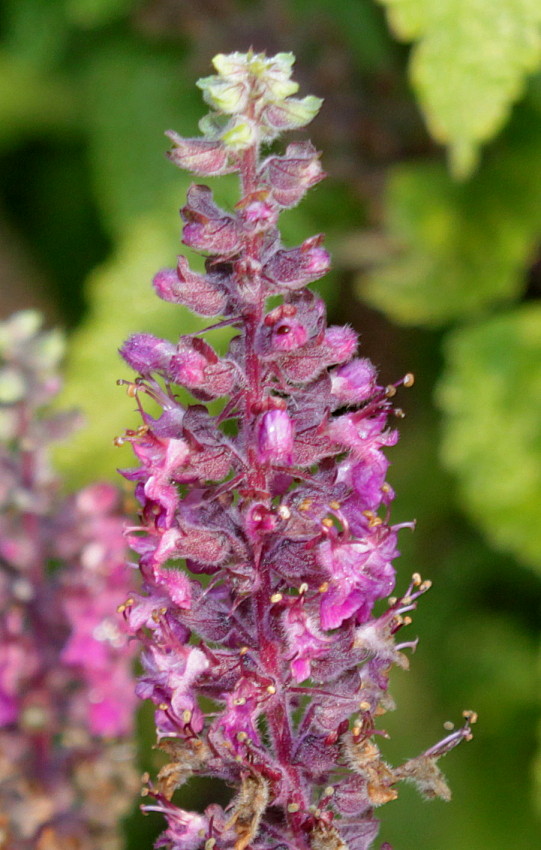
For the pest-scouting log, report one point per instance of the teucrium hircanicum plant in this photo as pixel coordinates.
(263, 656)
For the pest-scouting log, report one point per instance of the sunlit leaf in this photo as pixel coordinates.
(491, 398)
(468, 65)
(455, 249)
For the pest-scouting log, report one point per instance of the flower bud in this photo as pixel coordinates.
(146, 353)
(275, 437)
(292, 113)
(355, 381)
(200, 156)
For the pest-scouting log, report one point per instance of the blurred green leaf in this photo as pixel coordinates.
(468, 66)
(456, 249)
(92, 13)
(490, 394)
(35, 31)
(31, 101)
(134, 96)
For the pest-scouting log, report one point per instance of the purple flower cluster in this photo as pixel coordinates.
(66, 705)
(265, 539)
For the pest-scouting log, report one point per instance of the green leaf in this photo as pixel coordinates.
(490, 395)
(455, 249)
(468, 65)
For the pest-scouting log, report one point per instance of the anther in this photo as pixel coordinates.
(186, 716)
(276, 597)
(284, 512)
(399, 413)
(303, 588)
(390, 391)
(329, 791)
(323, 588)
(449, 725)
(271, 689)
(425, 585)
(293, 807)
(242, 737)
(416, 579)
(470, 716)
(409, 379)
(239, 701)
(210, 843)
(243, 650)
(327, 522)
(163, 706)
(364, 705)
(334, 505)
(119, 441)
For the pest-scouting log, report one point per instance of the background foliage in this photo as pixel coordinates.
(431, 134)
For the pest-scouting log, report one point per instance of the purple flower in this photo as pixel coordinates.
(66, 684)
(265, 660)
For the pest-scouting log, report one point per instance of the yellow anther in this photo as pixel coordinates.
(120, 609)
(416, 579)
(390, 391)
(210, 843)
(306, 504)
(472, 716)
(186, 716)
(303, 588)
(239, 701)
(364, 705)
(327, 522)
(329, 791)
(276, 597)
(334, 505)
(163, 706)
(409, 379)
(242, 737)
(426, 585)
(145, 792)
(243, 650)
(407, 621)
(131, 390)
(323, 588)
(292, 808)
(284, 512)
(392, 601)
(271, 689)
